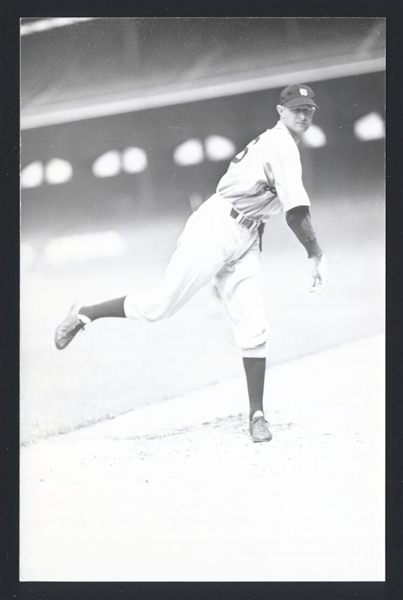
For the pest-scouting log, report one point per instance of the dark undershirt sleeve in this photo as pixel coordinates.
(299, 220)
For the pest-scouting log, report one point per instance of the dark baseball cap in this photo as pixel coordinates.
(297, 94)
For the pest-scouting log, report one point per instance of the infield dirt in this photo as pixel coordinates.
(177, 491)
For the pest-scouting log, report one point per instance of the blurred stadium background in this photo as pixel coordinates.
(126, 127)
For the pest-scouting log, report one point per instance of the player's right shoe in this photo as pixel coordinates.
(259, 429)
(69, 327)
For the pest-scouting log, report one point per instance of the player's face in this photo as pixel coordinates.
(297, 120)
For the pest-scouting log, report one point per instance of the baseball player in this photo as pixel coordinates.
(220, 242)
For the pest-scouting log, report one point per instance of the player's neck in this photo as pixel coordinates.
(296, 136)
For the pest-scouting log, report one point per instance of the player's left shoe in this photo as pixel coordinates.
(259, 429)
(69, 327)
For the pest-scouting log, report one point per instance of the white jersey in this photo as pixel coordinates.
(266, 177)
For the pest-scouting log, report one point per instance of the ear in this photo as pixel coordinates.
(280, 109)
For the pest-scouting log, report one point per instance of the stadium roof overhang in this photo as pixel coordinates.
(71, 96)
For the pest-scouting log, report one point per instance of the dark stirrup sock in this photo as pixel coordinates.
(111, 308)
(255, 370)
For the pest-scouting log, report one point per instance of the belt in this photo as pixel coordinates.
(239, 218)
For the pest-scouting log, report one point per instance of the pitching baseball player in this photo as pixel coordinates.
(220, 242)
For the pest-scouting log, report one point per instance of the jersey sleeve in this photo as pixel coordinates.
(283, 169)
(299, 220)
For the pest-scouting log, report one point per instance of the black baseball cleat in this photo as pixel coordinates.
(259, 430)
(69, 327)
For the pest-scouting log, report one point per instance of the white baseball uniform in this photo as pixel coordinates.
(262, 180)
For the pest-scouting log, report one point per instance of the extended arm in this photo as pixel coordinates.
(299, 220)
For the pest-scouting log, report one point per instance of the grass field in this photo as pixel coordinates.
(116, 366)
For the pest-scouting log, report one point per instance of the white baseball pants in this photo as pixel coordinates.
(212, 246)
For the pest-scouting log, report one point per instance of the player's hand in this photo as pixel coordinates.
(319, 274)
